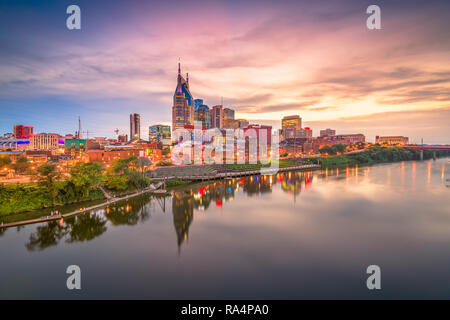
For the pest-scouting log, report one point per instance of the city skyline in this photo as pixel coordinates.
(227, 150)
(322, 64)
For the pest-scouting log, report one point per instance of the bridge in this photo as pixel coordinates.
(433, 148)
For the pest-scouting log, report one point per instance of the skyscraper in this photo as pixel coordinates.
(217, 117)
(291, 122)
(203, 115)
(228, 118)
(228, 114)
(183, 103)
(135, 126)
(197, 103)
(290, 125)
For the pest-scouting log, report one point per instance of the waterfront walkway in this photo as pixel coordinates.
(212, 175)
(202, 173)
(108, 202)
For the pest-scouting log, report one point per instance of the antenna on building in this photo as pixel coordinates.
(221, 101)
(179, 67)
(187, 78)
(79, 128)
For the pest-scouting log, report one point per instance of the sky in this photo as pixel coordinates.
(266, 59)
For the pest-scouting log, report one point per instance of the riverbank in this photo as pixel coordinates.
(375, 155)
(62, 216)
(251, 222)
(170, 182)
(25, 199)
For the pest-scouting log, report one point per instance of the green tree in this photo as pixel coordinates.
(328, 150)
(325, 149)
(4, 161)
(133, 168)
(48, 177)
(87, 176)
(116, 182)
(124, 166)
(22, 165)
(339, 148)
(137, 181)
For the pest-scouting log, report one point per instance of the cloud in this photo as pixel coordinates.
(431, 125)
(265, 59)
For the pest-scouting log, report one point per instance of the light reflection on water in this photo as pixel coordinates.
(290, 235)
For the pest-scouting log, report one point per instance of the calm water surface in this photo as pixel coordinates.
(287, 236)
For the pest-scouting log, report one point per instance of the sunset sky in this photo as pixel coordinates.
(267, 59)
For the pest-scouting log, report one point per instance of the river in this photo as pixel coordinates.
(293, 235)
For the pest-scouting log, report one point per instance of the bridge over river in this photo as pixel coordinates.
(433, 148)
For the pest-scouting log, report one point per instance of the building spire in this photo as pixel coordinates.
(179, 68)
(187, 78)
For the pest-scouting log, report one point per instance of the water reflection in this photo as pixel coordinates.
(131, 213)
(84, 227)
(202, 197)
(260, 237)
(183, 214)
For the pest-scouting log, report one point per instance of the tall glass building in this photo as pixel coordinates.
(135, 126)
(183, 103)
(197, 103)
(228, 114)
(203, 115)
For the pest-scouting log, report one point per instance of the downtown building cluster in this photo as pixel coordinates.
(189, 115)
(187, 111)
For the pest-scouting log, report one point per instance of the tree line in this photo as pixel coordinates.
(85, 181)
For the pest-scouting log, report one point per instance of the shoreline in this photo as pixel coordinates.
(194, 179)
(77, 212)
(188, 180)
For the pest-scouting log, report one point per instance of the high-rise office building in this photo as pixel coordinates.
(203, 115)
(228, 118)
(228, 114)
(183, 103)
(291, 122)
(217, 117)
(22, 132)
(197, 103)
(135, 126)
(291, 126)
